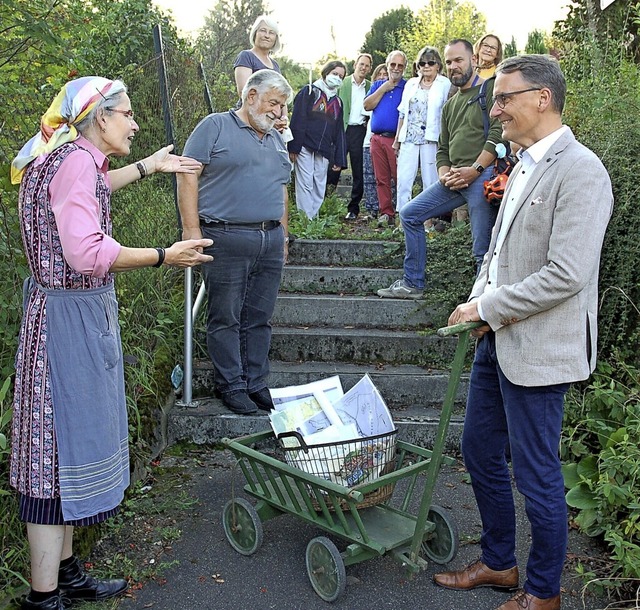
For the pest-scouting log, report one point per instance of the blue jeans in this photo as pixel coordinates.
(526, 421)
(436, 201)
(242, 285)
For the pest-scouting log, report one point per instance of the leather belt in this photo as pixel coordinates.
(387, 134)
(267, 225)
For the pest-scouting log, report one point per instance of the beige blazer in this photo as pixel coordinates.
(544, 309)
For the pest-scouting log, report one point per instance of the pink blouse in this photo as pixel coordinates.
(86, 248)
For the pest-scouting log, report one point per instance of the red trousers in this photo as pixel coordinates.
(385, 168)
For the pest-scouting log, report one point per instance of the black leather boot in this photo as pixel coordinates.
(55, 602)
(76, 584)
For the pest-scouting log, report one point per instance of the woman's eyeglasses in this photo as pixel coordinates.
(431, 62)
(128, 113)
(484, 45)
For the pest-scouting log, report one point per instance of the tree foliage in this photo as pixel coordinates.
(511, 48)
(536, 43)
(385, 33)
(46, 42)
(440, 22)
(589, 35)
(226, 32)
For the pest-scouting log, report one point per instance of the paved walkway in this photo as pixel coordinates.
(211, 575)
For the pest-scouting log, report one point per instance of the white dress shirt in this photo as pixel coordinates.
(529, 159)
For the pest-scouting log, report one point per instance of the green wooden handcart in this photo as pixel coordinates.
(371, 528)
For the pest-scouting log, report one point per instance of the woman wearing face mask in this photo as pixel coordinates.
(318, 137)
(420, 111)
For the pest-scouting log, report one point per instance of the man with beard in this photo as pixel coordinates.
(383, 100)
(238, 200)
(464, 158)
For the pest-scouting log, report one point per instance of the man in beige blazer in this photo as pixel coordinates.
(538, 292)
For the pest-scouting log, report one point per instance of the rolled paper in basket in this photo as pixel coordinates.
(327, 407)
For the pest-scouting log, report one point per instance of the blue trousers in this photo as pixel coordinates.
(438, 200)
(526, 421)
(242, 285)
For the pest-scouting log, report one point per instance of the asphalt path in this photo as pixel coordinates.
(210, 575)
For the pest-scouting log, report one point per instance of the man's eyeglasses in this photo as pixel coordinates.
(128, 113)
(431, 62)
(502, 98)
(484, 45)
(400, 66)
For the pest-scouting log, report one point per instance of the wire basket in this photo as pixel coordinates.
(347, 463)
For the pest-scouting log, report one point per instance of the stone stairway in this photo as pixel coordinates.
(327, 322)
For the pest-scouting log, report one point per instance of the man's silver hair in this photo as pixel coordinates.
(267, 80)
(396, 52)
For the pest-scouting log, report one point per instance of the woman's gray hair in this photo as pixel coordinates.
(270, 23)
(539, 71)
(267, 80)
(108, 101)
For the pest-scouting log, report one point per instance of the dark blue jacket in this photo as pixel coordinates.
(316, 123)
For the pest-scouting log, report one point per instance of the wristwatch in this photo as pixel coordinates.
(479, 168)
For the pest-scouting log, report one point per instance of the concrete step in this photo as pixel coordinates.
(349, 311)
(334, 252)
(336, 280)
(343, 191)
(208, 421)
(401, 386)
(355, 345)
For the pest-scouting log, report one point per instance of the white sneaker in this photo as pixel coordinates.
(400, 290)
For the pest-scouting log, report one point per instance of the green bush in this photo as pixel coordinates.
(594, 113)
(601, 449)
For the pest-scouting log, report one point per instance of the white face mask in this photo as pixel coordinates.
(333, 81)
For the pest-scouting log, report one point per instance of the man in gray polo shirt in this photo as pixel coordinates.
(238, 201)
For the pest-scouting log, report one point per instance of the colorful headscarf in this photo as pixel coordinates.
(74, 102)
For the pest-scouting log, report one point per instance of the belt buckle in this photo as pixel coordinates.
(263, 225)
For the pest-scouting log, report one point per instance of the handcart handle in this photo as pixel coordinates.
(456, 329)
(297, 436)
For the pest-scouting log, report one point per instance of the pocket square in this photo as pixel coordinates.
(536, 201)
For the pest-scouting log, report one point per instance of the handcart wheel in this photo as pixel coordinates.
(242, 526)
(325, 568)
(441, 545)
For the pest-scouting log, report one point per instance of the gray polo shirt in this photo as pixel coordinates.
(244, 176)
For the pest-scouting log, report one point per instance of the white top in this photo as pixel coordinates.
(358, 92)
(438, 95)
(529, 159)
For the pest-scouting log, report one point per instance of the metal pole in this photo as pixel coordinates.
(187, 384)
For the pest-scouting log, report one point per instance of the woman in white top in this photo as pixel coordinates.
(419, 123)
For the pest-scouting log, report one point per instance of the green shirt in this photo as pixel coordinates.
(462, 135)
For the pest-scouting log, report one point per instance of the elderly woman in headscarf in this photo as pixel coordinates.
(69, 456)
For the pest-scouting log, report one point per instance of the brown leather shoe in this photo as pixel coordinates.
(477, 574)
(523, 600)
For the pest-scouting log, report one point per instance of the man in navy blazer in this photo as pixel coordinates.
(537, 291)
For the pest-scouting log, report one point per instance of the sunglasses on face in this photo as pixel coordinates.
(399, 66)
(431, 62)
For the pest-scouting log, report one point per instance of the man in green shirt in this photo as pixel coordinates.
(466, 151)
